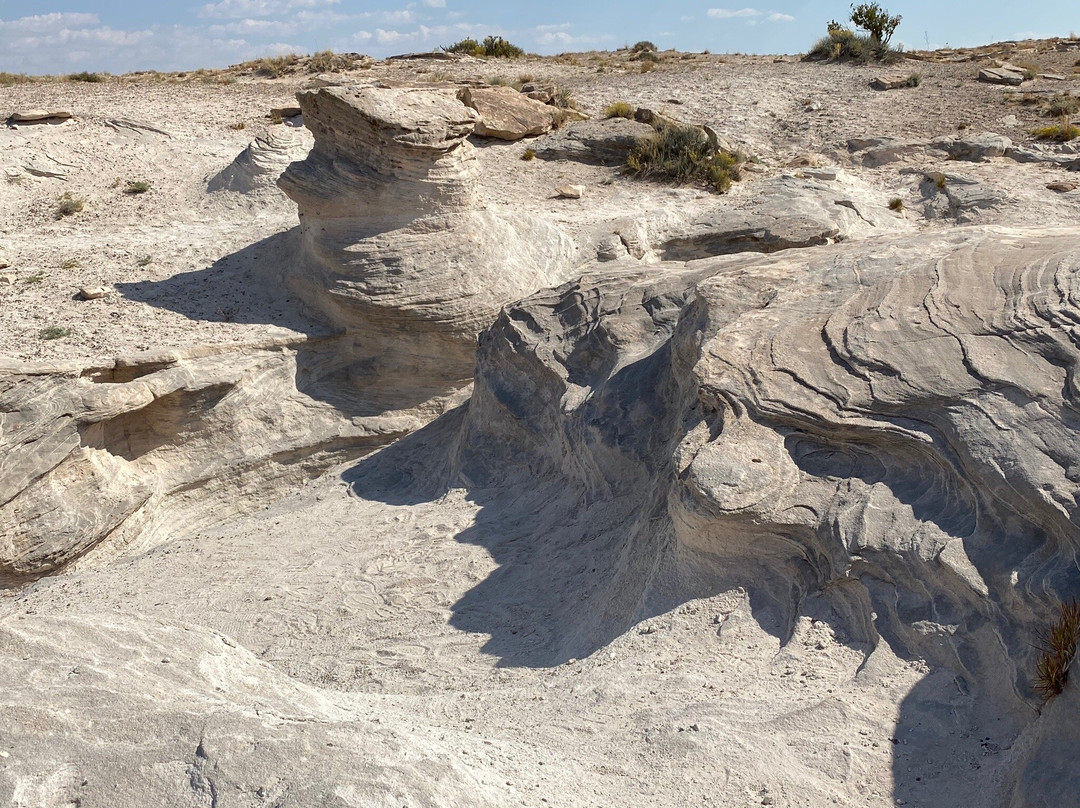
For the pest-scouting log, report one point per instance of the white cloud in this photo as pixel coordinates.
(259, 8)
(435, 3)
(776, 16)
(48, 23)
(389, 37)
(728, 13)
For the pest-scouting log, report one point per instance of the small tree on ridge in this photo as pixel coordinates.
(875, 20)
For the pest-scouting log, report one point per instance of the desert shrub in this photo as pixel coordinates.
(648, 67)
(875, 20)
(914, 80)
(92, 78)
(683, 154)
(1058, 645)
(494, 46)
(53, 332)
(71, 263)
(528, 154)
(137, 187)
(563, 98)
(275, 66)
(8, 79)
(619, 109)
(325, 61)
(1062, 104)
(67, 205)
(239, 125)
(145, 261)
(1061, 131)
(896, 204)
(643, 45)
(498, 81)
(648, 56)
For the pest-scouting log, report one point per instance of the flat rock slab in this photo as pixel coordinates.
(571, 191)
(892, 81)
(976, 149)
(285, 112)
(606, 142)
(1001, 75)
(32, 115)
(505, 113)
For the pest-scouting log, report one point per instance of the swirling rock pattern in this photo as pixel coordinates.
(887, 434)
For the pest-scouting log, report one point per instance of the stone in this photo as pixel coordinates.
(891, 81)
(570, 191)
(35, 115)
(606, 142)
(8, 278)
(978, 149)
(1053, 77)
(506, 114)
(1001, 75)
(284, 112)
(92, 292)
(544, 93)
(1062, 187)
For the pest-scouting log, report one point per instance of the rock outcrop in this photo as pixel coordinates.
(884, 434)
(258, 166)
(397, 243)
(505, 113)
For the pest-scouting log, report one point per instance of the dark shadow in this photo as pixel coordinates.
(238, 288)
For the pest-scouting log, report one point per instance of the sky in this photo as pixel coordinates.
(62, 36)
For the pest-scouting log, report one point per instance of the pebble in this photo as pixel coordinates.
(570, 191)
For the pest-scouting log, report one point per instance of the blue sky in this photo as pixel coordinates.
(59, 36)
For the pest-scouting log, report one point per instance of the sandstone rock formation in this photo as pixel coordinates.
(397, 243)
(605, 141)
(258, 167)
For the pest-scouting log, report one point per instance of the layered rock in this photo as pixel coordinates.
(397, 243)
(882, 435)
(258, 166)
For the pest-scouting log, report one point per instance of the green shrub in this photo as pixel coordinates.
(528, 154)
(619, 109)
(92, 78)
(1058, 645)
(896, 204)
(53, 332)
(493, 46)
(563, 98)
(842, 45)
(643, 45)
(875, 20)
(683, 154)
(145, 261)
(137, 187)
(66, 205)
(71, 263)
(914, 80)
(648, 56)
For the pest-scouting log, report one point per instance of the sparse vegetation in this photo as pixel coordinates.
(1062, 131)
(71, 263)
(498, 81)
(492, 46)
(325, 61)
(1031, 70)
(145, 261)
(563, 98)
(896, 204)
(137, 187)
(238, 125)
(276, 66)
(92, 78)
(1062, 104)
(940, 181)
(914, 80)
(648, 56)
(9, 79)
(67, 205)
(1058, 645)
(32, 279)
(643, 45)
(648, 67)
(684, 154)
(53, 332)
(528, 154)
(843, 45)
(275, 117)
(619, 109)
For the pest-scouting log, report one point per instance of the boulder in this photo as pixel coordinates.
(605, 142)
(1002, 75)
(92, 292)
(1062, 187)
(506, 114)
(976, 149)
(570, 191)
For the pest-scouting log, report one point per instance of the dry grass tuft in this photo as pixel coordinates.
(1061, 132)
(1058, 645)
(619, 109)
(68, 205)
